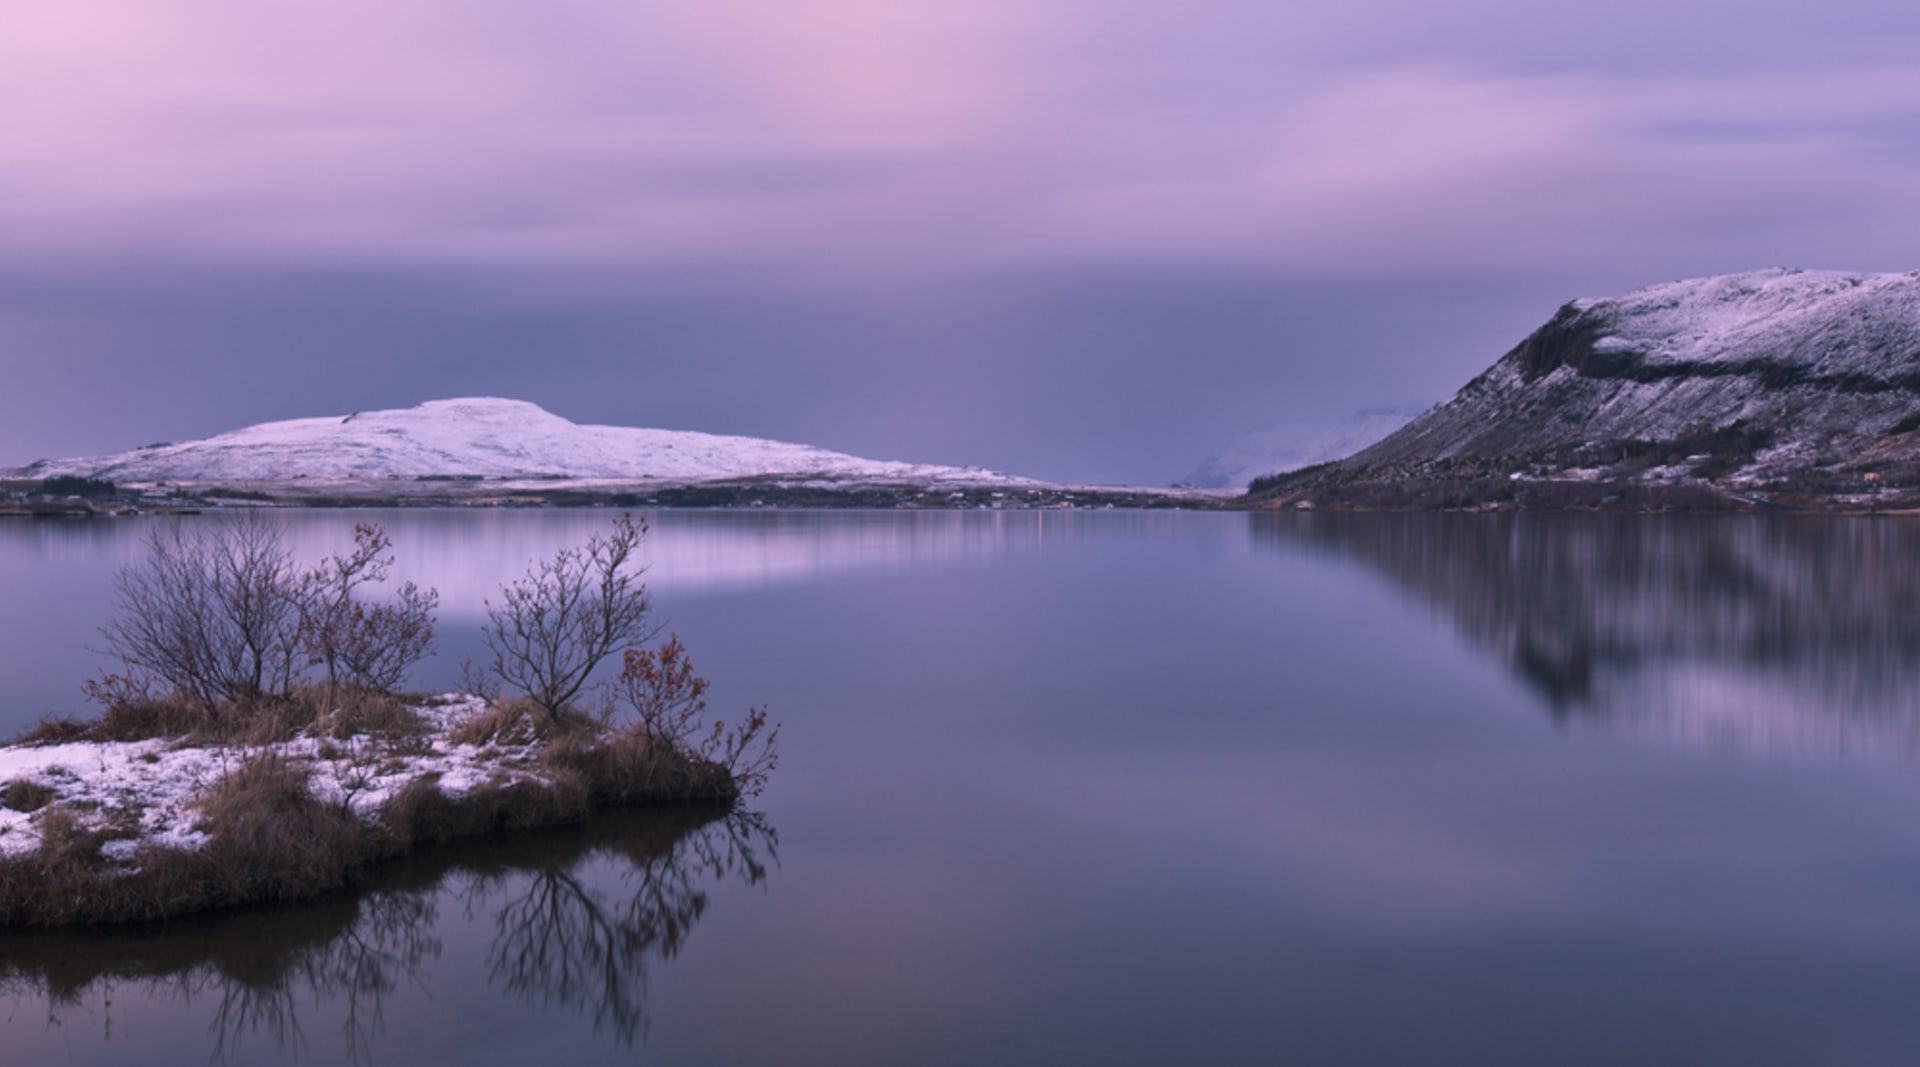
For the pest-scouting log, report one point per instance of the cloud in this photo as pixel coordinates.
(875, 136)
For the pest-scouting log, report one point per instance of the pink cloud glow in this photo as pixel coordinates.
(866, 133)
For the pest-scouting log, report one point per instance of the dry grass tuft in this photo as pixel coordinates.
(261, 722)
(272, 840)
(521, 722)
(57, 730)
(365, 713)
(172, 716)
(22, 794)
(627, 767)
(422, 814)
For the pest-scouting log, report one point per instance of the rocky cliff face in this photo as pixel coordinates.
(1796, 387)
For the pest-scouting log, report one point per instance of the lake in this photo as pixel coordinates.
(1115, 787)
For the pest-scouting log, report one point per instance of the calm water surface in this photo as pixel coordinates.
(1123, 788)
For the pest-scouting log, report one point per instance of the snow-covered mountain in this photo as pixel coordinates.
(488, 438)
(1804, 384)
(1289, 445)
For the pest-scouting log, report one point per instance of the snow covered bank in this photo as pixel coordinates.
(99, 831)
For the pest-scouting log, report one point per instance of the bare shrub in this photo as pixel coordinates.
(553, 627)
(361, 645)
(747, 750)
(668, 751)
(221, 617)
(667, 699)
(668, 702)
(211, 612)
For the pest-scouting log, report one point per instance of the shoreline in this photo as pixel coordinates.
(97, 831)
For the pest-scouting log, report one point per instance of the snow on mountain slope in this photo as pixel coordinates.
(1295, 443)
(1806, 380)
(490, 438)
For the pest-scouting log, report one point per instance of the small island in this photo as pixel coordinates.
(253, 747)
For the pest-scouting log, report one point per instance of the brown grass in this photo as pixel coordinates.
(271, 840)
(21, 794)
(521, 722)
(626, 767)
(420, 814)
(57, 730)
(371, 714)
(179, 718)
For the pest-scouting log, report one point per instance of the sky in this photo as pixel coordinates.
(1087, 240)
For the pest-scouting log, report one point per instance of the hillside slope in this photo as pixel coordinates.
(1796, 387)
(487, 438)
(1284, 446)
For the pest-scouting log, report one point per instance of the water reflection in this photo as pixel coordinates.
(58, 576)
(1774, 634)
(577, 918)
(467, 554)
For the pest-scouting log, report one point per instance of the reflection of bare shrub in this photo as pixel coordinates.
(579, 917)
(563, 942)
(390, 938)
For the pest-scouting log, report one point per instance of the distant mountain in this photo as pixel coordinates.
(485, 438)
(1283, 446)
(1790, 387)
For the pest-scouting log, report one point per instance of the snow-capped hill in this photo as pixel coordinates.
(491, 438)
(1284, 446)
(1803, 384)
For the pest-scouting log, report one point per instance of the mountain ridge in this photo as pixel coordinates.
(486, 437)
(1789, 387)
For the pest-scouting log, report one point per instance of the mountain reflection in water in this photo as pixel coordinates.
(1773, 634)
(577, 917)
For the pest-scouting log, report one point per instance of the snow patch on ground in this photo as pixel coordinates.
(1728, 316)
(149, 788)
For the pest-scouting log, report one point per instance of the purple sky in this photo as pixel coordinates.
(1081, 239)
